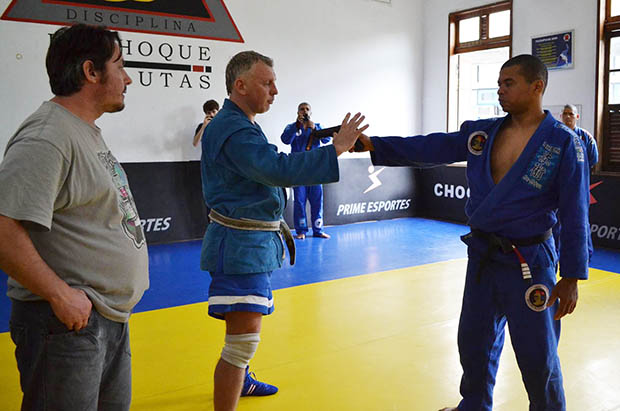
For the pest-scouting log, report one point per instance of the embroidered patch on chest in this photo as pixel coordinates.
(540, 170)
(476, 142)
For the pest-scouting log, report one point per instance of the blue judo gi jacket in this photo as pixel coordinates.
(590, 143)
(592, 155)
(551, 173)
(242, 177)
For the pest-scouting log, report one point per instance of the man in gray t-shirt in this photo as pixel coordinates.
(70, 235)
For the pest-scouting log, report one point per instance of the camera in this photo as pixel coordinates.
(306, 117)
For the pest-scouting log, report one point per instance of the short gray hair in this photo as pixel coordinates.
(572, 107)
(241, 63)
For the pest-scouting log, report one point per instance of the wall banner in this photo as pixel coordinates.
(366, 192)
(604, 215)
(168, 197)
(443, 193)
(206, 19)
(555, 50)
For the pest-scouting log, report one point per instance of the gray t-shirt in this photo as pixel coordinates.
(60, 179)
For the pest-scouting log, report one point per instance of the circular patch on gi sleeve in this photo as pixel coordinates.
(536, 297)
(476, 142)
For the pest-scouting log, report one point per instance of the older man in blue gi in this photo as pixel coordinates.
(243, 176)
(520, 169)
(569, 117)
(298, 135)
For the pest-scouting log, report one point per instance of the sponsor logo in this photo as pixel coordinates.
(373, 207)
(450, 191)
(369, 207)
(476, 142)
(207, 19)
(606, 232)
(156, 224)
(374, 177)
(592, 199)
(536, 297)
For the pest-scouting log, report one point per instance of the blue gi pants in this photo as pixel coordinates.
(314, 194)
(488, 304)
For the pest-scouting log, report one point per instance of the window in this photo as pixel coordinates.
(608, 86)
(480, 42)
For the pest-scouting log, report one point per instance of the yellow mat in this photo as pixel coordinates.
(384, 341)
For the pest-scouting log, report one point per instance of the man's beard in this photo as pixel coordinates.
(115, 107)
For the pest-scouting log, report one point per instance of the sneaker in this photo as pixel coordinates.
(254, 388)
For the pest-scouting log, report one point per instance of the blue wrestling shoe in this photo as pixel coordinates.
(254, 388)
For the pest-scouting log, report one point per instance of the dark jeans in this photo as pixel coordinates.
(64, 370)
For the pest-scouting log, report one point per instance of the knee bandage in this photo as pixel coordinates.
(240, 348)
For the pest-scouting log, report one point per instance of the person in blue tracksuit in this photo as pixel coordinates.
(243, 176)
(520, 169)
(569, 117)
(297, 134)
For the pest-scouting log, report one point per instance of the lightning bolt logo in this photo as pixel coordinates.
(374, 177)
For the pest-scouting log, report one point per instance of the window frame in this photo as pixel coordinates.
(608, 28)
(483, 43)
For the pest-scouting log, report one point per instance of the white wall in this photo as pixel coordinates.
(577, 85)
(386, 60)
(345, 55)
(531, 18)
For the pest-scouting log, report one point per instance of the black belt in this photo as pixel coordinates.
(506, 245)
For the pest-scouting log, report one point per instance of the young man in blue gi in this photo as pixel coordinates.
(297, 134)
(569, 117)
(521, 168)
(243, 176)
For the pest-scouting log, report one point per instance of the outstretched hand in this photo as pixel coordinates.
(365, 144)
(566, 291)
(350, 130)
